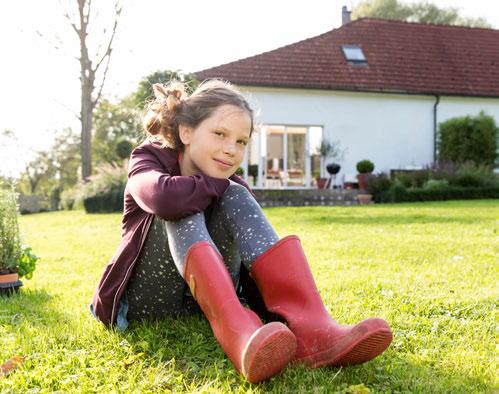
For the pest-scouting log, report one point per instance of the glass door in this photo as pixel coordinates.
(295, 171)
(274, 160)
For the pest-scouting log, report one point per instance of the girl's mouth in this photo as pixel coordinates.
(222, 164)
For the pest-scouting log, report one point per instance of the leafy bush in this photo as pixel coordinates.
(436, 184)
(365, 166)
(443, 170)
(412, 179)
(397, 191)
(68, 198)
(14, 257)
(72, 198)
(468, 138)
(378, 185)
(27, 262)
(104, 191)
(470, 174)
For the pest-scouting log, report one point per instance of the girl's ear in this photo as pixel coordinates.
(185, 134)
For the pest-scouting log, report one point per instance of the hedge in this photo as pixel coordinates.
(448, 193)
(105, 202)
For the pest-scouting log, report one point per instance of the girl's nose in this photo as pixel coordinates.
(230, 148)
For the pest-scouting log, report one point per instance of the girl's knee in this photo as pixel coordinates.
(235, 189)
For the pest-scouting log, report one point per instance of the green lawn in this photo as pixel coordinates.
(430, 269)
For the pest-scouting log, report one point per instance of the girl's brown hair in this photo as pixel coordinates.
(172, 106)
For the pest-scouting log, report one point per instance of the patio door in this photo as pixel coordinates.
(282, 156)
(285, 156)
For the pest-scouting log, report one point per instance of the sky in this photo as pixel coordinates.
(39, 84)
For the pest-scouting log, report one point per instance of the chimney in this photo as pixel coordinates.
(345, 15)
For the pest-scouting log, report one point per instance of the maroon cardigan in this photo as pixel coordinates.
(154, 188)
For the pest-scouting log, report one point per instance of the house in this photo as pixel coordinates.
(379, 87)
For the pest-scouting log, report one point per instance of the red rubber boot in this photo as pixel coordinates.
(257, 351)
(288, 288)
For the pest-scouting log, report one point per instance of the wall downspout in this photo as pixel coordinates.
(435, 128)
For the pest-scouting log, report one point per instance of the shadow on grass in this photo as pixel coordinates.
(379, 220)
(34, 307)
(189, 343)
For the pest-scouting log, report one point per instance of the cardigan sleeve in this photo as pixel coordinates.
(170, 197)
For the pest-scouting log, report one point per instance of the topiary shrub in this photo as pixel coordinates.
(468, 138)
(124, 148)
(365, 166)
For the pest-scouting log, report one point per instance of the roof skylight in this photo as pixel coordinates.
(354, 53)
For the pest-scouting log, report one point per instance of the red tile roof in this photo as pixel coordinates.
(402, 57)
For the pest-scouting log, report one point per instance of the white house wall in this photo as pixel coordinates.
(392, 130)
(450, 107)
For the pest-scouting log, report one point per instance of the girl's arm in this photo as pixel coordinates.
(170, 197)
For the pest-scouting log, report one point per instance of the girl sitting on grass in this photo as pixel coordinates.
(192, 231)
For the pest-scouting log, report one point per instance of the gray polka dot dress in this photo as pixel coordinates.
(235, 226)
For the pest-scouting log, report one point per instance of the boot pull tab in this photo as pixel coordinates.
(192, 286)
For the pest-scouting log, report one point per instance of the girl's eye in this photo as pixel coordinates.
(219, 133)
(243, 142)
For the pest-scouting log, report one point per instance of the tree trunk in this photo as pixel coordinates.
(87, 77)
(86, 132)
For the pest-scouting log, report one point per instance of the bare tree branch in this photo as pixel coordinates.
(87, 21)
(69, 109)
(97, 98)
(118, 9)
(66, 14)
(56, 46)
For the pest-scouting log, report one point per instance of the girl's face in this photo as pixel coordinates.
(216, 146)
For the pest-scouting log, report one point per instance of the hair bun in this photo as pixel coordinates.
(171, 95)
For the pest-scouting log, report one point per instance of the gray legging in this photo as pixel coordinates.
(235, 226)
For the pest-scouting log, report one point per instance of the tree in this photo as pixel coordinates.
(468, 138)
(65, 157)
(56, 168)
(115, 122)
(37, 170)
(422, 12)
(89, 67)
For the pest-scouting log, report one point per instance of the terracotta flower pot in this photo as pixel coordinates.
(9, 283)
(321, 182)
(364, 198)
(362, 178)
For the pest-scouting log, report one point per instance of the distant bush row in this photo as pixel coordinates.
(444, 181)
(103, 193)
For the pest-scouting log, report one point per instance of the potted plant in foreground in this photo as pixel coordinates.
(16, 260)
(364, 169)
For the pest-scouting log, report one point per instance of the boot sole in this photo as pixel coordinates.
(268, 351)
(350, 350)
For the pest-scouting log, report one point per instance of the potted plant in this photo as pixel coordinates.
(329, 150)
(364, 169)
(16, 260)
